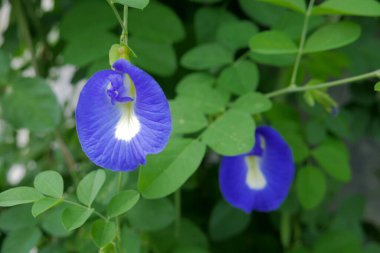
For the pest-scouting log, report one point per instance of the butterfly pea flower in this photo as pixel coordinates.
(259, 180)
(122, 116)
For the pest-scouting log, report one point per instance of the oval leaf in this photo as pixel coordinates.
(184, 118)
(311, 187)
(349, 7)
(272, 42)
(297, 5)
(49, 183)
(32, 97)
(239, 78)
(151, 215)
(21, 241)
(332, 155)
(74, 217)
(138, 4)
(122, 202)
(169, 170)
(226, 221)
(206, 56)
(90, 186)
(226, 137)
(332, 36)
(19, 195)
(252, 103)
(103, 232)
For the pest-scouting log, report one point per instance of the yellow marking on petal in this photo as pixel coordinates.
(255, 178)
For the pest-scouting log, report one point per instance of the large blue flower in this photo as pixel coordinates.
(122, 115)
(259, 180)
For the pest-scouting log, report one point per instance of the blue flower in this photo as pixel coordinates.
(122, 116)
(259, 180)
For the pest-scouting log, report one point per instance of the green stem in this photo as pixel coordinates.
(117, 220)
(124, 35)
(177, 200)
(83, 206)
(68, 157)
(117, 15)
(24, 29)
(302, 43)
(294, 89)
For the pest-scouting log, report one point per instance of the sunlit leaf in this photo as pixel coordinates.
(233, 133)
(122, 202)
(167, 171)
(19, 195)
(89, 186)
(75, 216)
(49, 183)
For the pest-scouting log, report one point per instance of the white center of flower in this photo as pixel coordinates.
(128, 125)
(255, 178)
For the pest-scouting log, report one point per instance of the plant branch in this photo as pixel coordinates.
(117, 15)
(118, 237)
(67, 156)
(302, 43)
(294, 89)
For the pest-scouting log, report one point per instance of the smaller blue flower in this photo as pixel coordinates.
(259, 180)
(122, 116)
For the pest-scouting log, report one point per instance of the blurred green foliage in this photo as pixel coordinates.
(215, 60)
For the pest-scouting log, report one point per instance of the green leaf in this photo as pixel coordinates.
(19, 195)
(252, 103)
(184, 118)
(138, 4)
(272, 42)
(338, 241)
(169, 170)
(151, 215)
(236, 34)
(226, 137)
(349, 7)
(193, 81)
(131, 240)
(49, 183)
(51, 221)
(74, 22)
(44, 204)
(122, 202)
(16, 218)
(157, 23)
(4, 65)
(85, 47)
(311, 187)
(239, 78)
(333, 157)
(103, 232)
(21, 241)
(89, 186)
(32, 97)
(226, 221)
(297, 144)
(74, 217)
(332, 36)
(214, 18)
(377, 86)
(155, 57)
(297, 5)
(204, 98)
(206, 56)
(278, 60)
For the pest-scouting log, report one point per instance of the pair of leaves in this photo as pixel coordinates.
(328, 37)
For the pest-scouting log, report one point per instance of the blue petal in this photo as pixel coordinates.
(117, 131)
(261, 179)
